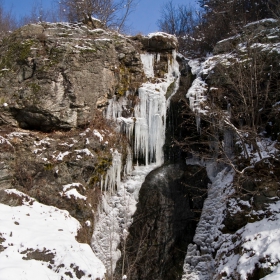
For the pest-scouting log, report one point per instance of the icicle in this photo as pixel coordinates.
(146, 133)
(198, 122)
(115, 107)
(127, 127)
(158, 57)
(129, 165)
(148, 124)
(141, 139)
(113, 175)
(101, 183)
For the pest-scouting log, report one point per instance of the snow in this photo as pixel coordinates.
(200, 264)
(195, 66)
(238, 254)
(48, 231)
(97, 30)
(259, 246)
(162, 34)
(68, 186)
(70, 191)
(61, 156)
(115, 216)
(98, 134)
(261, 21)
(45, 141)
(197, 95)
(83, 47)
(3, 140)
(85, 151)
(261, 239)
(104, 40)
(74, 193)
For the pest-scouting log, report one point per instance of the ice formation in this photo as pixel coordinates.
(113, 176)
(147, 125)
(145, 131)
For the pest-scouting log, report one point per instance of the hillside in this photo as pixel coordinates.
(122, 158)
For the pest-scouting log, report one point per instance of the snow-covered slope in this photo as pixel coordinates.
(38, 242)
(237, 236)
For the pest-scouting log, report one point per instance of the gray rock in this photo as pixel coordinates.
(57, 76)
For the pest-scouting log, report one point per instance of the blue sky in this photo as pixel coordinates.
(143, 19)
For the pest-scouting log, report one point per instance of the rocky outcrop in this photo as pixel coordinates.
(55, 81)
(259, 32)
(170, 202)
(157, 42)
(62, 169)
(235, 99)
(56, 76)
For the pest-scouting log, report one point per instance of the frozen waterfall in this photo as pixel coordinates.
(145, 131)
(146, 128)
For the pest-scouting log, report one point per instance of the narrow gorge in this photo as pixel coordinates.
(123, 159)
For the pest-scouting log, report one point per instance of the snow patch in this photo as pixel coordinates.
(49, 231)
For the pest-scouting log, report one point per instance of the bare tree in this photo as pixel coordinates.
(215, 20)
(113, 13)
(181, 21)
(241, 104)
(274, 7)
(7, 21)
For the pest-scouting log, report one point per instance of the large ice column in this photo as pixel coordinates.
(150, 116)
(148, 64)
(150, 113)
(113, 175)
(115, 107)
(145, 130)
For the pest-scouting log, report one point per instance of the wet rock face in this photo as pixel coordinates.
(164, 224)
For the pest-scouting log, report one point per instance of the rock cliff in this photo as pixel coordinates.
(56, 76)
(235, 99)
(84, 121)
(56, 83)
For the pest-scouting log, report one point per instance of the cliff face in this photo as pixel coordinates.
(79, 106)
(58, 81)
(56, 76)
(235, 98)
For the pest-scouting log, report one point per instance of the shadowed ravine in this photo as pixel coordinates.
(169, 207)
(164, 223)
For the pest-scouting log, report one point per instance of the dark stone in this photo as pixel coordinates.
(158, 42)
(44, 256)
(235, 222)
(258, 272)
(170, 202)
